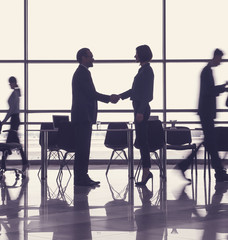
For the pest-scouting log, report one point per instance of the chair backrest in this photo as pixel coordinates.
(66, 137)
(58, 119)
(52, 136)
(116, 139)
(179, 136)
(156, 135)
(222, 138)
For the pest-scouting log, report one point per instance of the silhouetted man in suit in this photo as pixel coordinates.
(207, 114)
(84, 114)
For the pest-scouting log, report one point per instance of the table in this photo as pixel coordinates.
(44, 147)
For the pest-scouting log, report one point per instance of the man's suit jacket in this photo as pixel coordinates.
(85, 97)
(208, 94)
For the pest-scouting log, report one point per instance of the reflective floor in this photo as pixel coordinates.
(31, 209)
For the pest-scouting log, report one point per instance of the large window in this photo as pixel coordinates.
(39, 43)
(195, 28)
(12, 30)
(111, 29)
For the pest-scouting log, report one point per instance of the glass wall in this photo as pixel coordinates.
(182, 42)
(195, 28)
(12, 30)
(111, 29)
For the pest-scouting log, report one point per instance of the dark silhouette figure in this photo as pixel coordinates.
(207, 114)
(13, 115)
(141, 94)
(84, 114)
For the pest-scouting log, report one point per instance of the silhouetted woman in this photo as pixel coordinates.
(13, 115)
(141, 94)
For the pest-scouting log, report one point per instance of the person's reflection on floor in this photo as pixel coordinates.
(150, 220)
(216, 219)
(118, 210)
(11, 207)
(181, 210)
(72, 222)
(82, 215)
(59, 218)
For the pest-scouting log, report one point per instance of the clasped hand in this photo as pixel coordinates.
(114, 98)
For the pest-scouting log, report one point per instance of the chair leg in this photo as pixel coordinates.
(109, 162)
(58, 152)
(205, 162)
(159, 163)
(196, 167)
(62, 164)
(194, 162)
(49, 157)
(209, 166)
(137, 172)
(125, 155)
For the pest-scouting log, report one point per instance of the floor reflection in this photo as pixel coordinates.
(215, 221)
(11, 209)
(150, 218)
(56, 210)
(119, 211)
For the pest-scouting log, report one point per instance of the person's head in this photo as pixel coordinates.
(217, 57)
(13, 82)
(143, 54)
(85, 57)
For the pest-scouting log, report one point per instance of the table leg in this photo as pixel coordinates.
(130, 154)
(164, 162)
(44, 156)
(131, 215)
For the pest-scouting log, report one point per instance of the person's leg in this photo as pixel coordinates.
(210, 142)
(14, 125)
(83, 139)
(141, 130)
(211, 147)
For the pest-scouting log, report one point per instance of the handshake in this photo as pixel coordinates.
(114, 98)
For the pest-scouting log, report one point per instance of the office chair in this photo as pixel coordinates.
(7, 148)
(116, 140)
(156, 137)
(180, 139)
(53, 149)
(66, 142)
